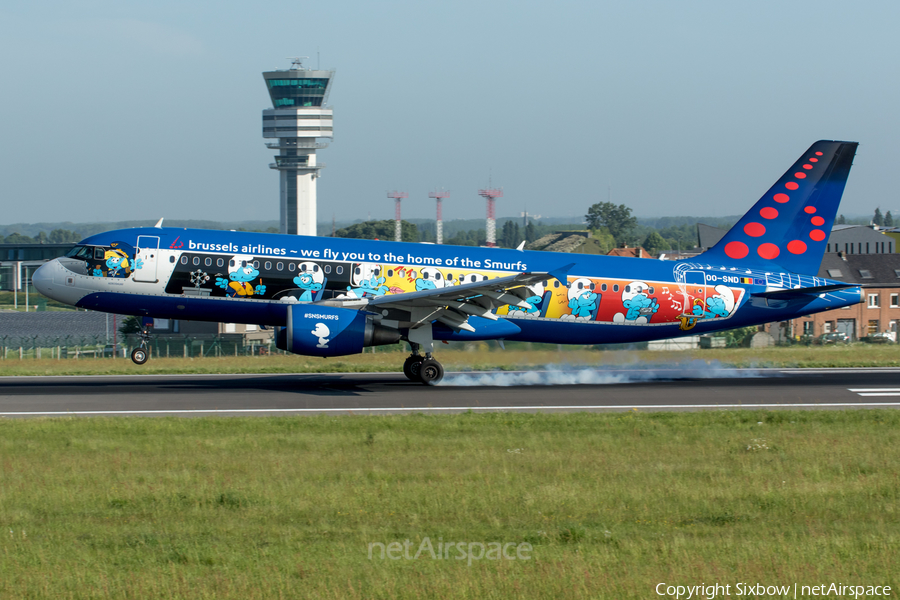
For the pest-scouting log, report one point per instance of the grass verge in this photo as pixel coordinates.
(858, 355)
(612, 504)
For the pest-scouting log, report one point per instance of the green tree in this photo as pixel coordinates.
(130, 325)
(18, 238)
(64, 236)
(530, 233)
(617, 219)
(888, 219)
(655, 243)
(379, 230)
(878, 219)
(841, 220)
(41, 238)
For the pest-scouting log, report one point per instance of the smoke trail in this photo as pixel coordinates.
(602, 375)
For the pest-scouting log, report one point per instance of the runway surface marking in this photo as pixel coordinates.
(438, 408)
(867, 392)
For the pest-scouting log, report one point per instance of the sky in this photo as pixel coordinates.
(117, 110)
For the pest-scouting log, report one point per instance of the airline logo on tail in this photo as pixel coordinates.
(789, 224)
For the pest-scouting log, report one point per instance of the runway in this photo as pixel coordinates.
(607, 389)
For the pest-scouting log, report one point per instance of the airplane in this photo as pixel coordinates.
(335, 296)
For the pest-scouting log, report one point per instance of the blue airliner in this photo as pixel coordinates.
(335, 296)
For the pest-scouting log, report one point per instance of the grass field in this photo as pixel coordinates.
(612, 504)
(856, 355)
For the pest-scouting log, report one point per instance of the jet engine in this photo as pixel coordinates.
(329, 331)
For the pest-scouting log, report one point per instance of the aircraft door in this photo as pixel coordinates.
(147, 251)
(695, 289)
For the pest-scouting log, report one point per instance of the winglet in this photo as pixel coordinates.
(159, 224)
(561, 273)
(521, 246)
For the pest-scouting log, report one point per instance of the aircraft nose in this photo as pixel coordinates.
(42, 279)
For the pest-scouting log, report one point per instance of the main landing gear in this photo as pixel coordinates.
(141, 354)
(424, 369)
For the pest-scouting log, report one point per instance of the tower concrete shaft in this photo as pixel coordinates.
(439, 228)
(297, 121)
(491, 194)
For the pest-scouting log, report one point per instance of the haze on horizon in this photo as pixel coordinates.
(117, 111)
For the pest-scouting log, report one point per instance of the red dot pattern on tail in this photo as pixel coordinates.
(768, 250)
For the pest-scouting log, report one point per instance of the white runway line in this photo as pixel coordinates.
(870, 392)
(75, 413)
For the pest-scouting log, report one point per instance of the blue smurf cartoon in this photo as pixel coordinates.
(639, 306)
(719, 306)
(115, 262)
(429, 278)
(305, 282)
(534, 303)
(366, 280)
(240, 273)
(583, 301)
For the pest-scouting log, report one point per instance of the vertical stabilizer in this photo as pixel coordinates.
(789, 226)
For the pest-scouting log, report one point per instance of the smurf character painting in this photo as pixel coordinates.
(305, 282)
(639, 306)
(240, 273)
(310, 280)
(366, 280)
(322, 332)
(719, 306)
(583, 301)
(429, 278)
(115, 262)
(534, 302)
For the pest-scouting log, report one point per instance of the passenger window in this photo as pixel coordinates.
(339, 269)
(231, 262)
(268, 265)
(616, 288)
(256, 264)
(292, 267)
(390, 272)
(196, 260)
(208, 262)
(280, 266)
(327, 268)
(602, 287)
(184, 260)
(220, 263)
(171, 259)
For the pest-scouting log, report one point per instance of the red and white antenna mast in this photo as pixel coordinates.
(398, 229)
(491, 194)
(439, 196)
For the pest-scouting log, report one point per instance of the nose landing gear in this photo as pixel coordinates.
(141, 354)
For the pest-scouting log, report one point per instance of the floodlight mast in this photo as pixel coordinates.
(398, 228)
(491, 194)
(439, 196)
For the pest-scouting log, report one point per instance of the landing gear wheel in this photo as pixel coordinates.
(411, 367)
(431, 372)
(139, 356)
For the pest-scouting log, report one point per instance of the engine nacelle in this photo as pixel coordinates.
(329, 331)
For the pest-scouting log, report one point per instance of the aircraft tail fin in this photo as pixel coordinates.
(790, 224)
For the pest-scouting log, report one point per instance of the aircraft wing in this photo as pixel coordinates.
(453, 305)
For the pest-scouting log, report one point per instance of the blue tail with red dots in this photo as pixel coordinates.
(789, 226)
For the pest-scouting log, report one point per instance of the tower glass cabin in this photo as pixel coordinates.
(297, 122)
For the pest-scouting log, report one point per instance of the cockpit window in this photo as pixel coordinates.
(99, 253)
(84, 252)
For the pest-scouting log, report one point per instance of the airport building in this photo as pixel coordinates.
(298, 122)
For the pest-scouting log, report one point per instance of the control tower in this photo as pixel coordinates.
(298, 120)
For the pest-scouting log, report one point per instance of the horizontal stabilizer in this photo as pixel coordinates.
(801, 292)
